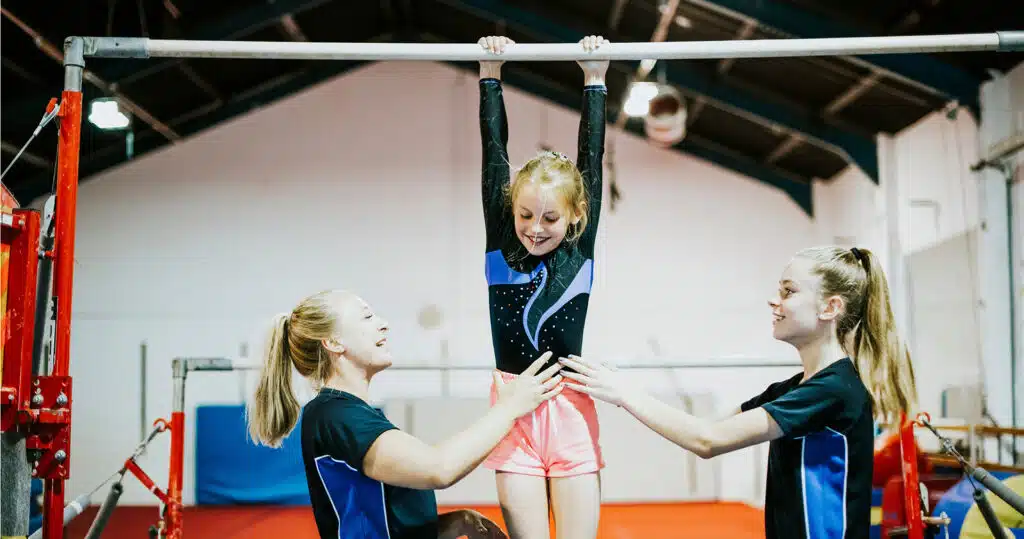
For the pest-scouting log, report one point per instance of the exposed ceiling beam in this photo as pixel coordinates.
(856, 147)
(88, 75)
(615, 17)
(851, 94)
(21, 71)
(927, 71)
(292, 29)
(745, 31)
(199, 81)
(230, 26)
(26, 155)
(200, 119)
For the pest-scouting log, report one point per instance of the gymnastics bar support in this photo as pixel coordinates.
(911, 481)
(180, 368)
(39, 403)
(122, 47)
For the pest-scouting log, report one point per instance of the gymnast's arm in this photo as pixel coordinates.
(399, 459)
(590, 140)
(494, 141)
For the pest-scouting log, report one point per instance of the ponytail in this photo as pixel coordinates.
(867, 330)
(275, 409)
(881, 355)
(294, 342)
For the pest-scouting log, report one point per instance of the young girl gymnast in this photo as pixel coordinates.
(541, 225)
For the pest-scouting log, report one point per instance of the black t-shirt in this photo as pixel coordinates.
(819, 472)
(338, 429)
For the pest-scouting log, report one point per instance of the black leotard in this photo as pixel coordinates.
(537, 303)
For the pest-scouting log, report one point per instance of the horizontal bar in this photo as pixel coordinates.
(666, 50)
(637, 366)
(224, 364)
(1011, 41)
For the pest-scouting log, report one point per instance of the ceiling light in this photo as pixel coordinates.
(105, 113)
(639, 99)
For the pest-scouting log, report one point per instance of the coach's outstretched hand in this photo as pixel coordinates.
(599, 381)
(524, 393)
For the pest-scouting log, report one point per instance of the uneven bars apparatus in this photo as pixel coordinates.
(55, 409)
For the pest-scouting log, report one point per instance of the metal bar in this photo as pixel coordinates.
(748, 103)
(106, 509)
(999, 151)
(67, 195)
(143, 423)
(102, 47)
(64, 245)
(224, 365)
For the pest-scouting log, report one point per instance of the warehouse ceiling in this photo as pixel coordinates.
(784, 121)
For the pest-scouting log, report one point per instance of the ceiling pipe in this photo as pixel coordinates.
(53, 52)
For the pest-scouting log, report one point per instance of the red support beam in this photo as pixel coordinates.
(175, 475)
(911, 482)
(66, 205)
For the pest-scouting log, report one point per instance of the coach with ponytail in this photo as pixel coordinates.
(832, 305)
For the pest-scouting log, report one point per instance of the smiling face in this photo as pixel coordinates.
(362, 337)
(800, 314)
(549, 203)
(541, 218)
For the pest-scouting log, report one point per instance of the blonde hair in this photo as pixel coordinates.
(294, 341)
(555, 170)
(868, 326)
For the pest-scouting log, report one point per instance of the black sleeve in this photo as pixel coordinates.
(494, 141)
(590, 160)
(349, 431)
(808, 407)
(769, 394)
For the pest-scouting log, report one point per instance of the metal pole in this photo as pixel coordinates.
(41, 345)
(180, 369)
(67, 195)
(143, 415)
(118, 47)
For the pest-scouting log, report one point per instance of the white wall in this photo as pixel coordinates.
(936, 198)
(939, 214)
(371, 183)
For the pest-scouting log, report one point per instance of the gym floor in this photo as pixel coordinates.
(648, 521)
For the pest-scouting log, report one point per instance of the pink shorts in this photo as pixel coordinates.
(558, 439)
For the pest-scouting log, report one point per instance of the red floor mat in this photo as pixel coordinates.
(646, 521)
